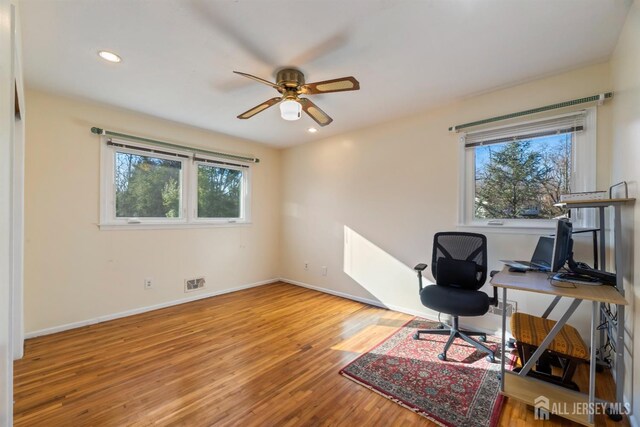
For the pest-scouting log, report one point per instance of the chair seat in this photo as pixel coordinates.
(454, 301)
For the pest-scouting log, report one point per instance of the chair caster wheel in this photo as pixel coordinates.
(440, 326)
(416, 336)
(442, 357)
(482, 338)
(613, 416)
(490, 358)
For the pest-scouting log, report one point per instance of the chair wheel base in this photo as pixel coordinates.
(442, 356)
(613, 416)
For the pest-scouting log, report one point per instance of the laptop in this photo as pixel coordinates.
(541, 259)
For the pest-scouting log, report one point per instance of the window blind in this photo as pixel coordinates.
(568, 123)
(146, 150)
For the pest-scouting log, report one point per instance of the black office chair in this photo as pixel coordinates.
(459, 265)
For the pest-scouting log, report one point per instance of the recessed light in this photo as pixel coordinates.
(109, 56)
(312, 130)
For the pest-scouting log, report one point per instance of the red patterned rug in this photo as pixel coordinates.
(463, 391)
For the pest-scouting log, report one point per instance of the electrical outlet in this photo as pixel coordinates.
(148, 283)
(512, 307)
(306, 265)
(324, 270)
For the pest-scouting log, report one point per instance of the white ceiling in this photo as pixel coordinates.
(178, 55)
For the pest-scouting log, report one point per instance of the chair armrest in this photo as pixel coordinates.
(494, 301)
(419, 269)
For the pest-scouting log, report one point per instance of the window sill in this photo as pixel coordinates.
(148, 226)
(540, 230)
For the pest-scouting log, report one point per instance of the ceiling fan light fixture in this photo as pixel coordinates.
(290, 109)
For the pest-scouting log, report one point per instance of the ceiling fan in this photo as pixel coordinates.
(290, 83)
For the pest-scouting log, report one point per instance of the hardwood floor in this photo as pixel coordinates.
(263, 356)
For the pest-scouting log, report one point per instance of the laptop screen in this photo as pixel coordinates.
(544, 252)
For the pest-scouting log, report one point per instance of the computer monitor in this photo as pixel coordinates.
(561, 244)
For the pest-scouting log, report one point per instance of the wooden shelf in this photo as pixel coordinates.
(527, 390)
(594, 203)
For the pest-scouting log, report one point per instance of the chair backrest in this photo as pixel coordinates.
(458, 251)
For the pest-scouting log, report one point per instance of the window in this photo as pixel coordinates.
(144, 186)
(219, 191)
(147, 187)
(515, 175)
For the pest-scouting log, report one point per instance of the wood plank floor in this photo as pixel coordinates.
(263, 356)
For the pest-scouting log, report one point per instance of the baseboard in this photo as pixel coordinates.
(335, 293)
(66, 327)
(412, 312)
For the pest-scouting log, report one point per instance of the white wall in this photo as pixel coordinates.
(9, 135)
(17, 200)
(366, 204)
(625, 70)
(75, 272)
(6, 118)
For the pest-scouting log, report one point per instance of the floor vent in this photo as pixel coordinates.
(194, 284)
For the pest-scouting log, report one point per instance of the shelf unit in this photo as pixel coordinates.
(617, 325)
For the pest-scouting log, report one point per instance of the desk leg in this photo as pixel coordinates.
(547, 340)
(549, 309)
(603, 243)
(619, 327)
(619, 357)
(595, 311)
(503, 344)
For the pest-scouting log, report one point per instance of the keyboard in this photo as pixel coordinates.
(577, 279)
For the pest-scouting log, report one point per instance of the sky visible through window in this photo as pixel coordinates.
(542, 144)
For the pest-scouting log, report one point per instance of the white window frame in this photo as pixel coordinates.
(245, 206)
(583, 178)
(188, 189)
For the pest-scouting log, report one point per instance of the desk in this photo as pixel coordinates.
(526, 389)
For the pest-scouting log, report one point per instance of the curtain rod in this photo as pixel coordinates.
(103, 132)
(600, 98)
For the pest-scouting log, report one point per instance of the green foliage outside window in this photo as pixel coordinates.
(219, 192)
(147, 187)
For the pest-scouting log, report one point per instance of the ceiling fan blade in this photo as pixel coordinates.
(336, 85)
(314, 112)
(259, 108)
(258, 79)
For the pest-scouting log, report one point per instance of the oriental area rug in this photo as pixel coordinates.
(462, 391)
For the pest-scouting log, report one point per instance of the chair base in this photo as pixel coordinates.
(454, 332)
